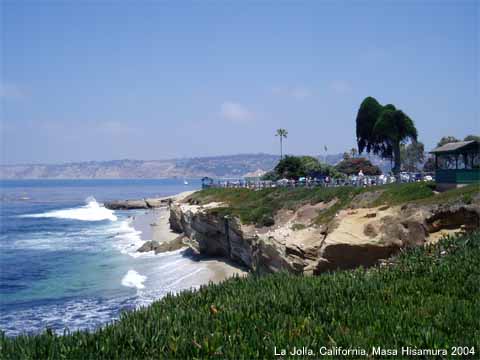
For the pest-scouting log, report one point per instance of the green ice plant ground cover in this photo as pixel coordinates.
(428, 299)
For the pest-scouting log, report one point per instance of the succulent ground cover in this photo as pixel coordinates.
(426, 298)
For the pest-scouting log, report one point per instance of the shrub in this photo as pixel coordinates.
(295, 167)
(353, 166)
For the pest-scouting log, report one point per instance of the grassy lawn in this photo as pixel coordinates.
(429, 299)
(259, 207)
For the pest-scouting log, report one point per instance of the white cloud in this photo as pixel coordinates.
(235, 112)
(296, 92)
(11, 92)
(340, 86)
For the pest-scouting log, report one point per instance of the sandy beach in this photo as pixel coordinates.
(154, 225)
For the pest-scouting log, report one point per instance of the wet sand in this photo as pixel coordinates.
(153, 223)
(155, 226)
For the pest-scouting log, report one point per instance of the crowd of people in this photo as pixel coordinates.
(359, 179)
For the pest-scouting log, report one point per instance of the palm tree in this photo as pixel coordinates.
(282, 133)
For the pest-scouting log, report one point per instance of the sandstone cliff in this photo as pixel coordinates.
(357, 236)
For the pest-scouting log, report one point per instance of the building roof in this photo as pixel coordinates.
(457, 147)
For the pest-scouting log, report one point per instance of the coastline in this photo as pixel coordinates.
(153, 223)
(154, 226)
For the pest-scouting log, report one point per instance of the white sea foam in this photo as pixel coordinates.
(134, 280)
(92, 211)
(75, 314)
(126, 239)
(91, 239)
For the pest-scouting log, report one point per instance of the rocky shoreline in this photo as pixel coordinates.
(147, 203)
(136, 204)
(154, 227)
(159, 238)
(358, 236)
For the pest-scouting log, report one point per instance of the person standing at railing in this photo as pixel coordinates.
(361, 180)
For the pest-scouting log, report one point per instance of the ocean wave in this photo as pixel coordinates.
(92, 211)
(75, 314)
(126, 239)
(134, 279)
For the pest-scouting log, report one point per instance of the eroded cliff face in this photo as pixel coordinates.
(356, 237)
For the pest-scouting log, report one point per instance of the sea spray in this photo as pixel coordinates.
(62, 272)
(126, 238)
(134, 279)
(92, 211)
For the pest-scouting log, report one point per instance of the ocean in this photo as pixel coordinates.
(68, 263)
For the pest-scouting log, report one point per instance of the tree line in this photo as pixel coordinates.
(382, 130)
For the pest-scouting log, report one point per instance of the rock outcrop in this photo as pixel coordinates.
(148, 203)
(136, 204)
(355, 237)
(164, 246)
(213, 235)
(126, 204)
(157, 202)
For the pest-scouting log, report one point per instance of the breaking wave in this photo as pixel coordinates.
(134, 279)
(126, 239)
(92, 211)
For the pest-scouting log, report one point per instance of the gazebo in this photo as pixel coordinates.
(457, 163)
(207, 182)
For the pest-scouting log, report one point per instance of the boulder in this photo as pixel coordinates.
(171, 245)
(137, 204)
(157, 202)
(148, 246)
(126, 204)
(164, 246)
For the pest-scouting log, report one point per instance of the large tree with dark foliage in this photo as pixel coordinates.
(290, 167)
(294, 167)
(381, 130)
(352, 166)
(367, 116)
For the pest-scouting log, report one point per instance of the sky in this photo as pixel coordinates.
(104, 80)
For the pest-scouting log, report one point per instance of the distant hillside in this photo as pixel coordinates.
(217, 166)
(229, 166)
